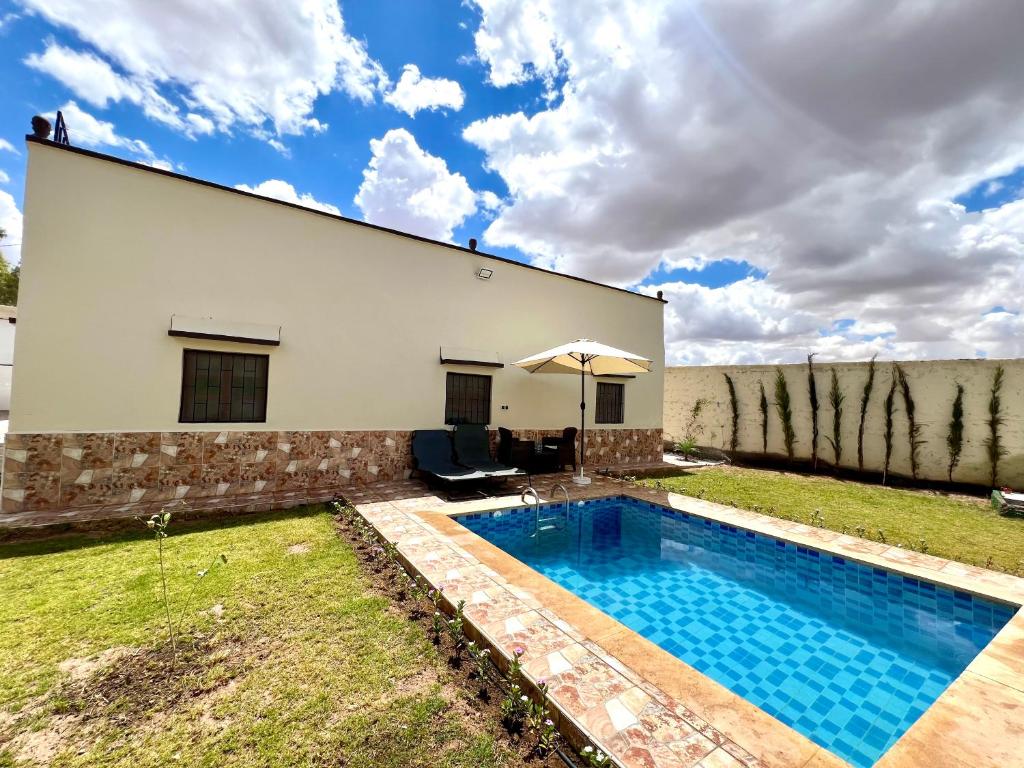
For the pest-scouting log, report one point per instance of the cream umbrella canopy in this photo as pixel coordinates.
(584, 356)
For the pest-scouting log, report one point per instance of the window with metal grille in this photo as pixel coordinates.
(467, 399)
(223, 386)
(610, 403)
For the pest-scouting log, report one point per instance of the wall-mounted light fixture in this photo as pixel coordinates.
(484, 273)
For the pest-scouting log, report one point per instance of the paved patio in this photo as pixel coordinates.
(647, 708)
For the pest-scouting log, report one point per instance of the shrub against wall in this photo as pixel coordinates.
(812, 396)
(889, 407)
(763, 408)
(955, 435)
(994, 441)
(784, 408)
(865, 400)
(932, 389)
(836, 398)
(734, 413)
(914, 440)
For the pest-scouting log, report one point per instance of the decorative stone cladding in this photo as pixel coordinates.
(67, 471)
(605, 447)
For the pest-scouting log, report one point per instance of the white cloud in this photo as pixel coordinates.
(488, 200)
(516, 39)
(282, 190)
(6, 146)
(408, 189)
(93, 79)
(687, 133)
(177, 61)
(11, 223)
(414, 92)
(4, 178)
(89, 131)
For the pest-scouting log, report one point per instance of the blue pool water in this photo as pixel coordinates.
(846, 654)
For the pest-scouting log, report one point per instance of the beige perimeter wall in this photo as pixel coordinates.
(932, 385)
(111, 252)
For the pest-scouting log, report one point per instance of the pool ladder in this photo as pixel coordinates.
(541, 524)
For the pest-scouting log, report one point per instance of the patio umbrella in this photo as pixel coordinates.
(584, 356)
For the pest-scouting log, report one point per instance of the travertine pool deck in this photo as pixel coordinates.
(647, 708)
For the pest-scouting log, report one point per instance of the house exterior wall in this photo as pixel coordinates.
(111, 252)
(7, 330)
(933, 388)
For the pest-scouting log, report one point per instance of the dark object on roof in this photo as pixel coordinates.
(472, 448)
(41, 127)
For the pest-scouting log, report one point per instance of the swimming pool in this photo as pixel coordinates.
(846, 654)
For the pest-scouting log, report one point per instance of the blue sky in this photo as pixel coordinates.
(785, 198)
(436, 36)
(329, 166)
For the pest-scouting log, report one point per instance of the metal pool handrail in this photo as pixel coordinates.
(554, 488)
(536, 507)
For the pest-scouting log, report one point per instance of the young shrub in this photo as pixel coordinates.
(913, 428)
(159, 524)
(784, 408)
(516, 704)
(438, 622)
(734, 437)
(539, 718)
(836, 398)
(482, 661)
(955, 435)
(456, 627)
(764, 418)
(812, 393)
(595, 758)
(688, 445)
(693, 427)
(890, 402)
(994, 443)
(865, 398)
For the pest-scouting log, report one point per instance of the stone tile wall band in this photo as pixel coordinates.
(61, 471)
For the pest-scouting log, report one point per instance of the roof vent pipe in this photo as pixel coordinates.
(472, 243)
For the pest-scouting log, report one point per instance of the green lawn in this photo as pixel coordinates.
(956, 527)
(301, 665)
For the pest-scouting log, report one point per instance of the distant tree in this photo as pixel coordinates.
(9, 278)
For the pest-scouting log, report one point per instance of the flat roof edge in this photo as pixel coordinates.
(337, 217)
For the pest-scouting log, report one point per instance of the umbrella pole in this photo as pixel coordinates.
(582, 479)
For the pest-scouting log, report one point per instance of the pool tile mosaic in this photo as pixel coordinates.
(848, 654)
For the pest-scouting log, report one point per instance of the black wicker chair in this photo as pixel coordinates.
(566, 445)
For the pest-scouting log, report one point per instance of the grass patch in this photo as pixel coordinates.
(955, 527)
(291, 658)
